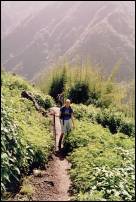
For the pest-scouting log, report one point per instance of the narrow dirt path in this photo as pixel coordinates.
(55, 182)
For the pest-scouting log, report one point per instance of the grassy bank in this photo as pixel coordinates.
(26, 137)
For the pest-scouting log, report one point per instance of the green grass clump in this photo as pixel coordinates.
(26, 188)
(26, 138)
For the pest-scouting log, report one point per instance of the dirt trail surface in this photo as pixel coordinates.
(55, 182)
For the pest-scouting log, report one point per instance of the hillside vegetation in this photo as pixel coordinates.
(101, 147)
(84, 84)
(26, 140)
(102, 164)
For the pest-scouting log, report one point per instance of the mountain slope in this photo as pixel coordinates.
(102, 32)
(26, 139)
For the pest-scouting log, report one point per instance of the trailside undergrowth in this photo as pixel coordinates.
(26, 139)
(102, 163)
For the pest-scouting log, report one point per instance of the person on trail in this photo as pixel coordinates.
(66, 119)
(60, 98)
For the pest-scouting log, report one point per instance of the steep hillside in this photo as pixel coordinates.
(14, 12)
(26, 139)
(100, 149)
(100, 31)
(102, 164)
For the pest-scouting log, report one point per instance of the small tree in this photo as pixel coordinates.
(58, 84)
(79, 93)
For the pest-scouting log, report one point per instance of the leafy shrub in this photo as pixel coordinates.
(45, 102)
(110, 119)
(79, 93)
(10, 147)
(58, 83)
(56, 88)
(39, 100)
(107, 117)
(86, 132)
(127, 127)
(102, 164)
(116, 121)
(80, 111)
(26, 138)
(48, 102)
(16, 155)
(116, 182)
(96, 102)
(17, 82)
(85, 112)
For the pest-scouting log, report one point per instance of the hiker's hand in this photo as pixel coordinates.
(56, 114)
(51, 113)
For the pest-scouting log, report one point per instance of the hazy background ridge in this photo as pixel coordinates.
(37, 34)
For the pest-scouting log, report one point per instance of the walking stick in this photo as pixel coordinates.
(54, 129)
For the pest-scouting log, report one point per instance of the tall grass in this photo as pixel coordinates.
(107, 91)
(73, 73)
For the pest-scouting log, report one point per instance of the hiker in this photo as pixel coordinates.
(66, 118)
(60, 98)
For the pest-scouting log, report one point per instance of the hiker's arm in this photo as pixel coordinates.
(60, 114)
(72, 117)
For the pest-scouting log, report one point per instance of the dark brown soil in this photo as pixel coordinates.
(54, 184)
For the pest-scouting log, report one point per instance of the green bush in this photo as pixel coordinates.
(10, 147)
(127, 127)
(16, 153)
(113, 177)
(45, 102)
(79, 93)
(39, 100)
(86, 132)
(58, 83)
(102, 164)
(26, 139)
(17, 82)
(48, 102)
(85, 112)
(110, 118)
(116, 121)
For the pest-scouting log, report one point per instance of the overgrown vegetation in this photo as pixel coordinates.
(110, 118)
(58, 84)
(84, 84)
(101, 148)
(79, 93)
(102, 164)
(26, 140)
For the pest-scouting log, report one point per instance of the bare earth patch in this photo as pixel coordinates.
(55, 183)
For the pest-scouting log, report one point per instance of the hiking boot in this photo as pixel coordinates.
(59, 147)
